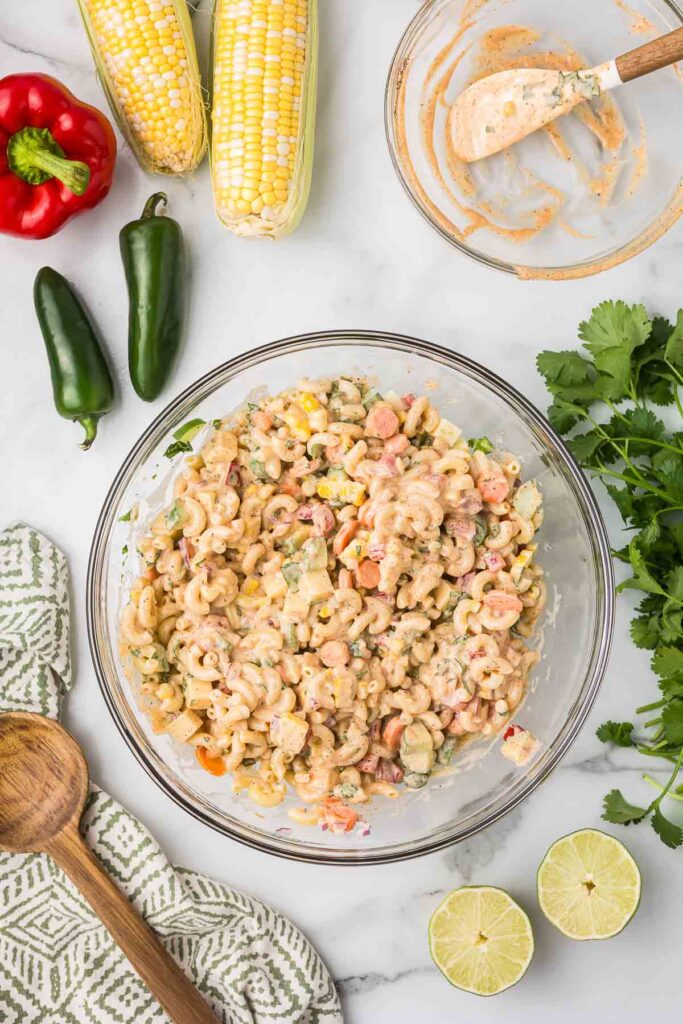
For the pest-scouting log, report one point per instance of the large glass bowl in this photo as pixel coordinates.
(574, 637)
(611, 205)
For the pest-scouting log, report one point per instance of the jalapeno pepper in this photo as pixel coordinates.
(153, 257)
(81, 382)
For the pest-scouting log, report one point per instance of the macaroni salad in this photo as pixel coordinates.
(337, 597)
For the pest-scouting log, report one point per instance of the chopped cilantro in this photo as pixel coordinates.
(174, 516)
(481, 444)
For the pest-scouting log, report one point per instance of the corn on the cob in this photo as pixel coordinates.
(147, 62)
(265, 55)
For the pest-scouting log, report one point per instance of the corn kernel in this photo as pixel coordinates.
(261, 91)
(140, 56)
(309, 403)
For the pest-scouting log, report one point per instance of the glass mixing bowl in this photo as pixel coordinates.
(573, 549)
(600, 205)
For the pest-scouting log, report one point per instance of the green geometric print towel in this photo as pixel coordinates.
(58, 964)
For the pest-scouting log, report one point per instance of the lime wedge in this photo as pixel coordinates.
(588, 885)
(481, 940)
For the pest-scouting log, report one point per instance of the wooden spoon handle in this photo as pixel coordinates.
(156, 967)
(658, 53)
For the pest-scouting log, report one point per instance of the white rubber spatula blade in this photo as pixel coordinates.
(501, 109)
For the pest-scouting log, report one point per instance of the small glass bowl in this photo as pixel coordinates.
(609, 206)
(573, 549)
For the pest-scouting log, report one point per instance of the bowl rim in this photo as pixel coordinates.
(593, 521)
(569, 272)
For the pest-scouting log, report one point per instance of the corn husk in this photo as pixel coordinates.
(169, 155)
(280, 222)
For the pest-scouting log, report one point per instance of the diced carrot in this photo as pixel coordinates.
(368, 573)
(337, 815)
(345, 536)
(382, 422)
(393, 731)
(212, 765)
(289, 486)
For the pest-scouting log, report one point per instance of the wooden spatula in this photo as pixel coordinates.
(43, 787)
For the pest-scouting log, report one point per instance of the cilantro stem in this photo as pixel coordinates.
(678, 401)
(652, 723)
(650, 707)
(653, 752)
(650, 440)
(669, 784)
(674, 371)
(602, 470)
(660, 511)
(658, 785)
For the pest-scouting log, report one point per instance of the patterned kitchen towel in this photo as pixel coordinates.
(58, 964)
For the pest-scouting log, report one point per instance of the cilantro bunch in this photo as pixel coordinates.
(634, 363)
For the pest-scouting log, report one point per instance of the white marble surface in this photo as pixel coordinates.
(361, 258)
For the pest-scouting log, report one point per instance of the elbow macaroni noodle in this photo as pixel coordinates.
(337, 597)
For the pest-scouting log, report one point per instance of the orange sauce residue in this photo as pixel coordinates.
(503, 48)
(640, 25)
(610, 155)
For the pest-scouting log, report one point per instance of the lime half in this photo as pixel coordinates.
(588, 885)
(481, 940)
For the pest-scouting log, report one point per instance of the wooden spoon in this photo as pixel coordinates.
(43, 787)
(503, 108)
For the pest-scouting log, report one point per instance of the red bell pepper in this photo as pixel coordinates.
(57, 155)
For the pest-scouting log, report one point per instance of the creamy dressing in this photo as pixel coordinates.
(509, 48)
(504, 108)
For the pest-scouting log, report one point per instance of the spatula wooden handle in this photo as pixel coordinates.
(658, 53)
(156, 967)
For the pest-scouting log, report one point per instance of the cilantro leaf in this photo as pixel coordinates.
(671, 688)
(672, 722)
(618, 811)
(674, 583)
(667, 661)
(125, 518)
(676, 530)
(642, 422)
(623, 499)
(176, 448)
(650, 535)
(645, 632)
(618, 733)
(670, 834)
(673, 353)
(480, 444)
(174, 515)
(612, 333)
(258, 469)
(615, 325)
(628, 356)
(564, 415)
(668, 468)
(563, 368)
(642, 579)
(658, 389)
(584, 446)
